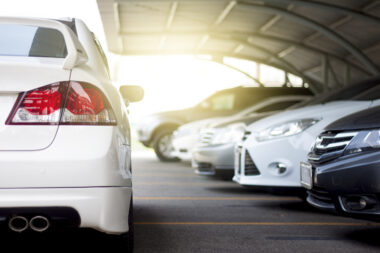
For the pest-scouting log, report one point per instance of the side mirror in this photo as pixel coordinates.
(131, 93)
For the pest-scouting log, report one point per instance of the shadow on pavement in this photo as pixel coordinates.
(367, 236)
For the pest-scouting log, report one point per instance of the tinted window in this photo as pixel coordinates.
(223, 102)
(350, 92)
(371, 94)
(32, 41)
(277, 106)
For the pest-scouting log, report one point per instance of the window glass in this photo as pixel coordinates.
(223, 102)
(371, 94)
(32, 41)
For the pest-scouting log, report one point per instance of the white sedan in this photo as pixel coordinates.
(187, 137)
(64, 134)
(273, 147)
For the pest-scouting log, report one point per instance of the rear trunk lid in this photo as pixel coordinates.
(33, 53)
(18, 75)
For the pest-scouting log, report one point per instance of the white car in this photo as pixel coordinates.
(187, 137)
(273, 147)
(65, 153)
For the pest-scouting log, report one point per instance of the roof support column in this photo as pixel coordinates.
(325, 71)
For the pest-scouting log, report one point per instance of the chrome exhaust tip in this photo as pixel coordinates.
(39, 223)
(18, 224)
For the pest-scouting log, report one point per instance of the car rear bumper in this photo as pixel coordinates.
(102, 208)
(80, 156)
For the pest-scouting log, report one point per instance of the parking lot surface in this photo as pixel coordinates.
(178, 211)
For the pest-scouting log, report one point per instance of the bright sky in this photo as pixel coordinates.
(170, 82)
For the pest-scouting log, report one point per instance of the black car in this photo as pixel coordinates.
(343, 172)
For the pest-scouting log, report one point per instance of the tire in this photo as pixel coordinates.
(162, 146)
(125, 241)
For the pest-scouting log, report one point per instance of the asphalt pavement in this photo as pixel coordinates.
(178, 211)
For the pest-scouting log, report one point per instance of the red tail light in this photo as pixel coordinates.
(68, 103)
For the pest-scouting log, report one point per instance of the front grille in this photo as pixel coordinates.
(204, 166)
(238, 159)
(330, 145)
(250, 168)
(321, 195)
(206, 137)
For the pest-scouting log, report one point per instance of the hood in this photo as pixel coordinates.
(247, 120)
(366, 119)
(195, 125)
(315, 111)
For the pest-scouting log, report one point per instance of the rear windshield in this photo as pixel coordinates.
(31, 41)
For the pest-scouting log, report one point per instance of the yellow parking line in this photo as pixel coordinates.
(187, 183)
(260, 223)
(166, 175)
(219, 198)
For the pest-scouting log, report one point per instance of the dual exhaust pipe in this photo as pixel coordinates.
(20, 224)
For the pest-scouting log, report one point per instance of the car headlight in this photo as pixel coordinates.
(364, 141)
(285, 129)
(231, 133)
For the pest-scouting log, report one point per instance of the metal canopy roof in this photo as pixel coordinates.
(328, 43)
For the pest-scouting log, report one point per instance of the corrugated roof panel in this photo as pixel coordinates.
(220, 45)
(188, 42)
(290, 29)
(143, 16)
(319, 15)
(328, 45)
(193, 16)
(357, 31)
(302, 59)
(353, 4)
(242, 19)
(137, 43)
(250, 51)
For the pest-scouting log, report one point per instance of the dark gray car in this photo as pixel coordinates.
(343, 173)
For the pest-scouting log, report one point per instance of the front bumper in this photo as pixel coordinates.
(214, 160)
(102, 208)
(346, 180)
(277, 160)
(184, 144)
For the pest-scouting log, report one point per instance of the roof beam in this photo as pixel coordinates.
(171, 16)
(271, 22)
(221, 17)
(322, 29)
(226, 11)
(249, 37)
(309, 3)
(333, 25)
(169, 22)
(239, 70)
(270, 54)
(116, 11)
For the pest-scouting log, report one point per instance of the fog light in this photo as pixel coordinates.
(277, 168)
(359, 203)
(362, 203)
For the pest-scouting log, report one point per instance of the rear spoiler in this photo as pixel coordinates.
(76, 54)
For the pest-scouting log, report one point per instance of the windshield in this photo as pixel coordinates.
(31, 41)
(357, 91)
